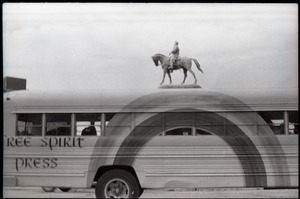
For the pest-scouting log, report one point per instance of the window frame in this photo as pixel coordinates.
(25, 125)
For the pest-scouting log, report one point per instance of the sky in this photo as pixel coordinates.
(90, 46)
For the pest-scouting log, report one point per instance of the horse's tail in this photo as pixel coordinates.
(197, 64)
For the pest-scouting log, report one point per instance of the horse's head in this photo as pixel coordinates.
(155, 60)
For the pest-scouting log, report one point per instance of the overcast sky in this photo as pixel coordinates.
(101, 46)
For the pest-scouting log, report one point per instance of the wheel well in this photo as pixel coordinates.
(104, 169)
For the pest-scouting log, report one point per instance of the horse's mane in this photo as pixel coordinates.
(159, 54)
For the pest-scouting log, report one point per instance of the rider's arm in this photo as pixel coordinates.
(173, 51)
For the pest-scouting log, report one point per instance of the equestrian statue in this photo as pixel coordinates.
(174, 62)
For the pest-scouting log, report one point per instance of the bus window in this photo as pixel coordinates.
(29, 125)
(216, 129)
(201, 132)
(58, 124)
(108, 117)
(231, 130)
(274, 119)
(179, 131)
(88, 124)
(293, 122)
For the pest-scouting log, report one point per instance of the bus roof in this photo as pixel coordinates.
(119, 100)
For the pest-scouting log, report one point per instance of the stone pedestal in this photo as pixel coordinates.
(179, 86)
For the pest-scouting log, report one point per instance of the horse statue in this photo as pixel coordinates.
(185, 63)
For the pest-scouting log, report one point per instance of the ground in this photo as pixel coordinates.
(37, 192)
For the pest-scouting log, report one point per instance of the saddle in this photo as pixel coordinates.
(176, 63)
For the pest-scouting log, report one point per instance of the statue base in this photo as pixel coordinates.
(180, 86)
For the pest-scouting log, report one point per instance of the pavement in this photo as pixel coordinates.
(37, 192)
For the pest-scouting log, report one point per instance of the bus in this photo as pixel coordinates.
(124, 141)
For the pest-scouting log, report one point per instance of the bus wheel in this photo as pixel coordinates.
(49, 189)
(65, 189)
(117, 184)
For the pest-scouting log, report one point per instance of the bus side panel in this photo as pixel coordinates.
(188, 162)
(290, 146)
(63, 161)
(280, 161)
(9, 126)
(207, 161)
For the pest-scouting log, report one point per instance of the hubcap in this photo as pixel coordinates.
(116, 188)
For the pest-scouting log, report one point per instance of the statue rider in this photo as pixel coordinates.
(174, 55)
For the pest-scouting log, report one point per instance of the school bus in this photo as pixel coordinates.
(125, 141)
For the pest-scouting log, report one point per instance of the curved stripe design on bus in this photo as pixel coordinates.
(130, 142)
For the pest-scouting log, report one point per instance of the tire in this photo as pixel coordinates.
(49, 189)
(65, 189)
(117, 184)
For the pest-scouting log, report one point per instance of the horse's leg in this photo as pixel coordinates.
(170, 77)
(185, 75)
(164, 75)
(190, 70)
